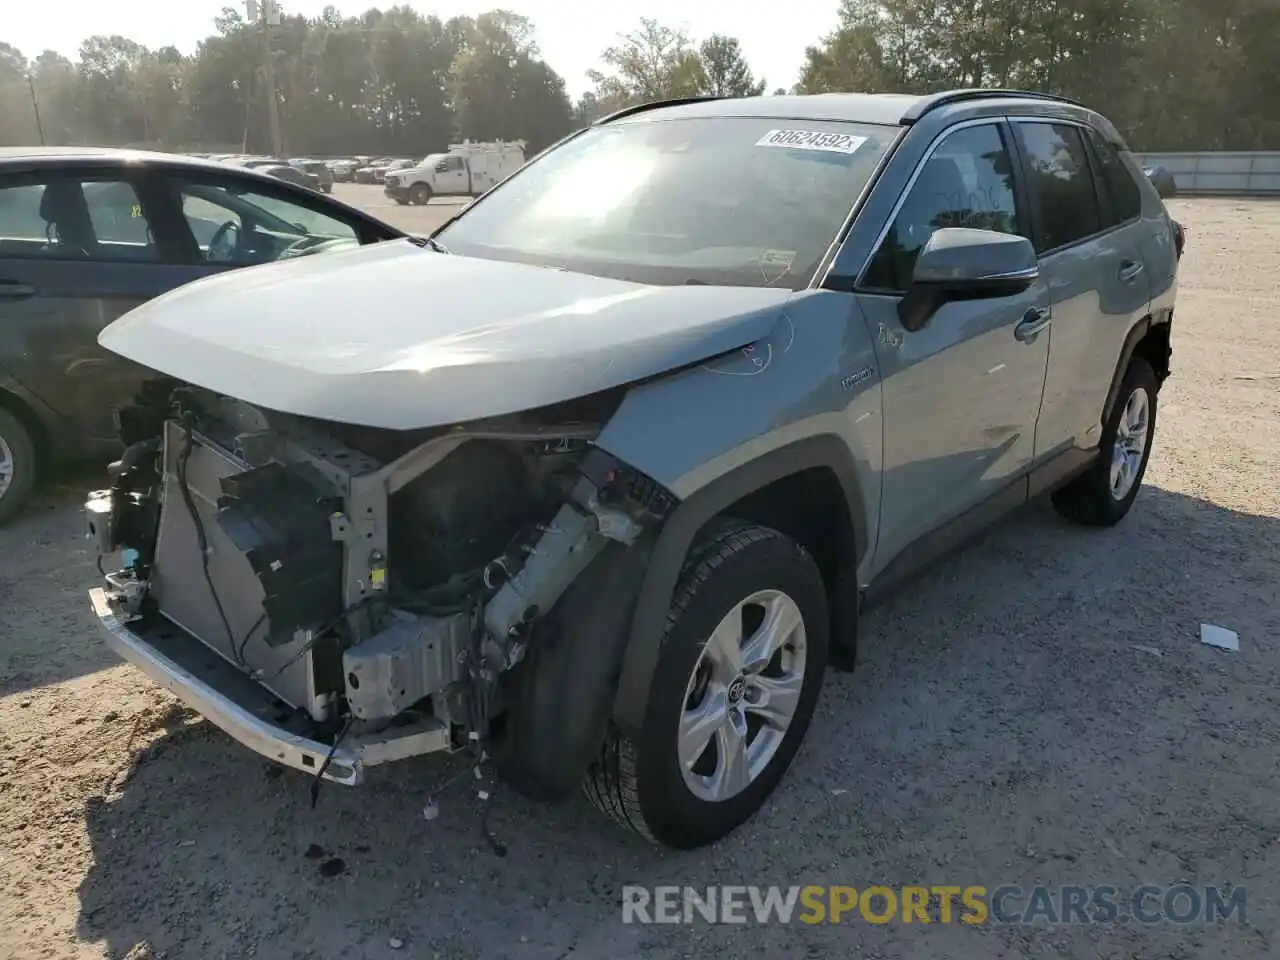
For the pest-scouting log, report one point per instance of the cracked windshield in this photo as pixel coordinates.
(489, 479)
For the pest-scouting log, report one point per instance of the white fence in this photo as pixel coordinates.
(1220, 172)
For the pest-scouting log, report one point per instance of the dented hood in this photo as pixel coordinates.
(395, 336)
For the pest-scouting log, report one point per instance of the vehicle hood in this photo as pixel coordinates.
(393, 335)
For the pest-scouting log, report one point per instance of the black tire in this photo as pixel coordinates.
(637, 781)
(1089, 499)
(20, 445)
(419, 193)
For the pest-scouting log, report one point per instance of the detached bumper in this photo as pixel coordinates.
(396, 192)
(246, 710)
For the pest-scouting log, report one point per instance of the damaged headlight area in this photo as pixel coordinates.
(308, 584)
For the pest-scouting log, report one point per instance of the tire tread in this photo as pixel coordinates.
(612, 783)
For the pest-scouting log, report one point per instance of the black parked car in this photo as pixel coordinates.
(85, 235)
(319, 169)
(291, 174)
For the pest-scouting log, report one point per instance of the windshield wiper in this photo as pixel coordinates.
(431, 243)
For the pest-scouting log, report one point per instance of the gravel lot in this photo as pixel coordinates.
(410, 218)
(1038, 709)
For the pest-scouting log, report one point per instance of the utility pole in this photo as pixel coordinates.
(267, 12)
(35, 106)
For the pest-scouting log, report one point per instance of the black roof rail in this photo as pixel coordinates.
(933, 101)
(635, 108)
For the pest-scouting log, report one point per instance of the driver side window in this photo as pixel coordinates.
(966, 182)
(243, 227)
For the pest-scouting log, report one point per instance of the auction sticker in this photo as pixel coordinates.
(811, 140)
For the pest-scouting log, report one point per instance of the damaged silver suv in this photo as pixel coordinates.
(593, 482)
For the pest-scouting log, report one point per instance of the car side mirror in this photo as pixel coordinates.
(958, 263)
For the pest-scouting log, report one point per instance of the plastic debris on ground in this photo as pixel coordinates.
(1219, 637)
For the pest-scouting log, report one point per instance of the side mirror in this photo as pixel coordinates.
(958, 263)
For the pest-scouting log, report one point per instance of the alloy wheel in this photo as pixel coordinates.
(742, 696)
(7, 467)
(1130, 446)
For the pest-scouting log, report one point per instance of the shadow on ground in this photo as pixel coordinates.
(1027, 712)
(45, 558)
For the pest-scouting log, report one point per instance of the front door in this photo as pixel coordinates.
(451, 176)
(962, 395)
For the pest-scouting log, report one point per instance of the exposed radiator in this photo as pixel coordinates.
(183, 593)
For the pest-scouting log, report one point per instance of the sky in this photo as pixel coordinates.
(570, 35)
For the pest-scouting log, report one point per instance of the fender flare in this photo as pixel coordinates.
(677, 535)
(1131, 341)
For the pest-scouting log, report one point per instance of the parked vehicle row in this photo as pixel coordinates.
(464, 169)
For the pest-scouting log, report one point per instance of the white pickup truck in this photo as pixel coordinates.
(468, 169)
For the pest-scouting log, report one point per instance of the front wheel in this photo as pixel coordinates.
(1102, 496)
(734, 690)
(17, 466)
(419, 193)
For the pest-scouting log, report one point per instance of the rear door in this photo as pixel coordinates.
(77, 250)
(1091, 255)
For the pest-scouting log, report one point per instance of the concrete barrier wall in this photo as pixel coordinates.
(1220, 172)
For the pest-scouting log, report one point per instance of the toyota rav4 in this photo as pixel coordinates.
(593, 482)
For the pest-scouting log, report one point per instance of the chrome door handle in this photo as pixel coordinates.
(1129, 271)
(1033, 323)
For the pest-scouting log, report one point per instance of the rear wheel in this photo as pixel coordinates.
(1102, 496)
(738, 676)
(419, 193)
(17, 465)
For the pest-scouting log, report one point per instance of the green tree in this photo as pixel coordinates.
(653, 62)
(501, 89)
(1173, 74)
(727, 71)
(17, 117)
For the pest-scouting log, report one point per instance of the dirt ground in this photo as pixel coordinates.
(1038, 709)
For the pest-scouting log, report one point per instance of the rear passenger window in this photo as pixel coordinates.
(121, 230)
(1061, 183)
(966, 182)
(1126, 199)
(67, 219)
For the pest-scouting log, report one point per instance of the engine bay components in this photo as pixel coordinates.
(278, 517)
(414, 657)
(359, 577)
(575, 536)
